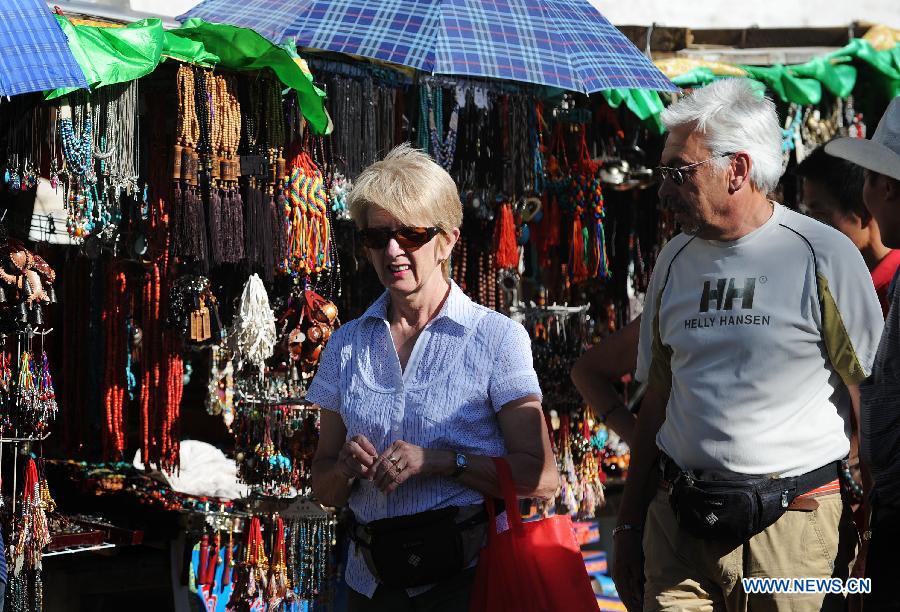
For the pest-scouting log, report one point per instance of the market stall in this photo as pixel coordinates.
(135, 206)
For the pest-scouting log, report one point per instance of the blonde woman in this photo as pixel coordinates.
(416, 396)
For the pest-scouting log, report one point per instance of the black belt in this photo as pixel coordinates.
(805, 482)
(360, 534)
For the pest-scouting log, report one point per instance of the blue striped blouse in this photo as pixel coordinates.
(467, 363)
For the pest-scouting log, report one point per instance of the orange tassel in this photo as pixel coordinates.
(547, 236)
(555, 222)
(576, 255)
(505, 248)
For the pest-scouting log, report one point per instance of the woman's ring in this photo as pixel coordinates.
(394, 460)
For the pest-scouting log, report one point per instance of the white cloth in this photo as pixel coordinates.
(467, 364)
(205, 472)
(753, 389)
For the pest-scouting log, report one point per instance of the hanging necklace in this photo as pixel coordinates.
(444, 150)
(187, 132)
(78, 147)
(78, 155)
(115, 122)
(55, 166)
(202, 103)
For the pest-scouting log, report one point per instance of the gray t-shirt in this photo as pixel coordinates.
(880, 409)
(756, 339)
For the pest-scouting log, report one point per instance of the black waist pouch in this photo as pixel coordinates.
(419, 549)
(730, 510)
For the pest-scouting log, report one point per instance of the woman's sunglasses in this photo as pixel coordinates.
(409, 238)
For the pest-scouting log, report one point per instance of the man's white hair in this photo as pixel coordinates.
(734, 117)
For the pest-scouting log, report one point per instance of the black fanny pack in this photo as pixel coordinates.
(737, 507)
(424, 548)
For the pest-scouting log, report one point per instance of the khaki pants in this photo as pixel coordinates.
(684, 573)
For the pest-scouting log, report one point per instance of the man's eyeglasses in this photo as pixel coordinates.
(409, 238)
(679, 174)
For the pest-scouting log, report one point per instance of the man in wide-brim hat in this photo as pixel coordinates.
(880, 404)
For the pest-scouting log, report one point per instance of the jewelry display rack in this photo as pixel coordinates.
(23, 337)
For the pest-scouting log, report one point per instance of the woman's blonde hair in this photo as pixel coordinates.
(410, 186)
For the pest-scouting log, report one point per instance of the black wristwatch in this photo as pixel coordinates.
(461, 464)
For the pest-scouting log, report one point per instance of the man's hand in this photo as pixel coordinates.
(628, 569)
(640, 489)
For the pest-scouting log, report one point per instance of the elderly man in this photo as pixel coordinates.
(759, 324)
(880, 423)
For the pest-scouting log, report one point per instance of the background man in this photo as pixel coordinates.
(880, 419)
(833, 194)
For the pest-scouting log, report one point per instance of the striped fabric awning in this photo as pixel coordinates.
(34, 54)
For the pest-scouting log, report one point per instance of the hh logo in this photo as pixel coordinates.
(724, 293)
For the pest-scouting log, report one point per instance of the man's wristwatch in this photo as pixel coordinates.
(461, 464)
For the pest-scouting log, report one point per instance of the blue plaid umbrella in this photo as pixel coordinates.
(560, 43)
(34, 53)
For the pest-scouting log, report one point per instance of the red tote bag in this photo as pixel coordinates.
(532, 567)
